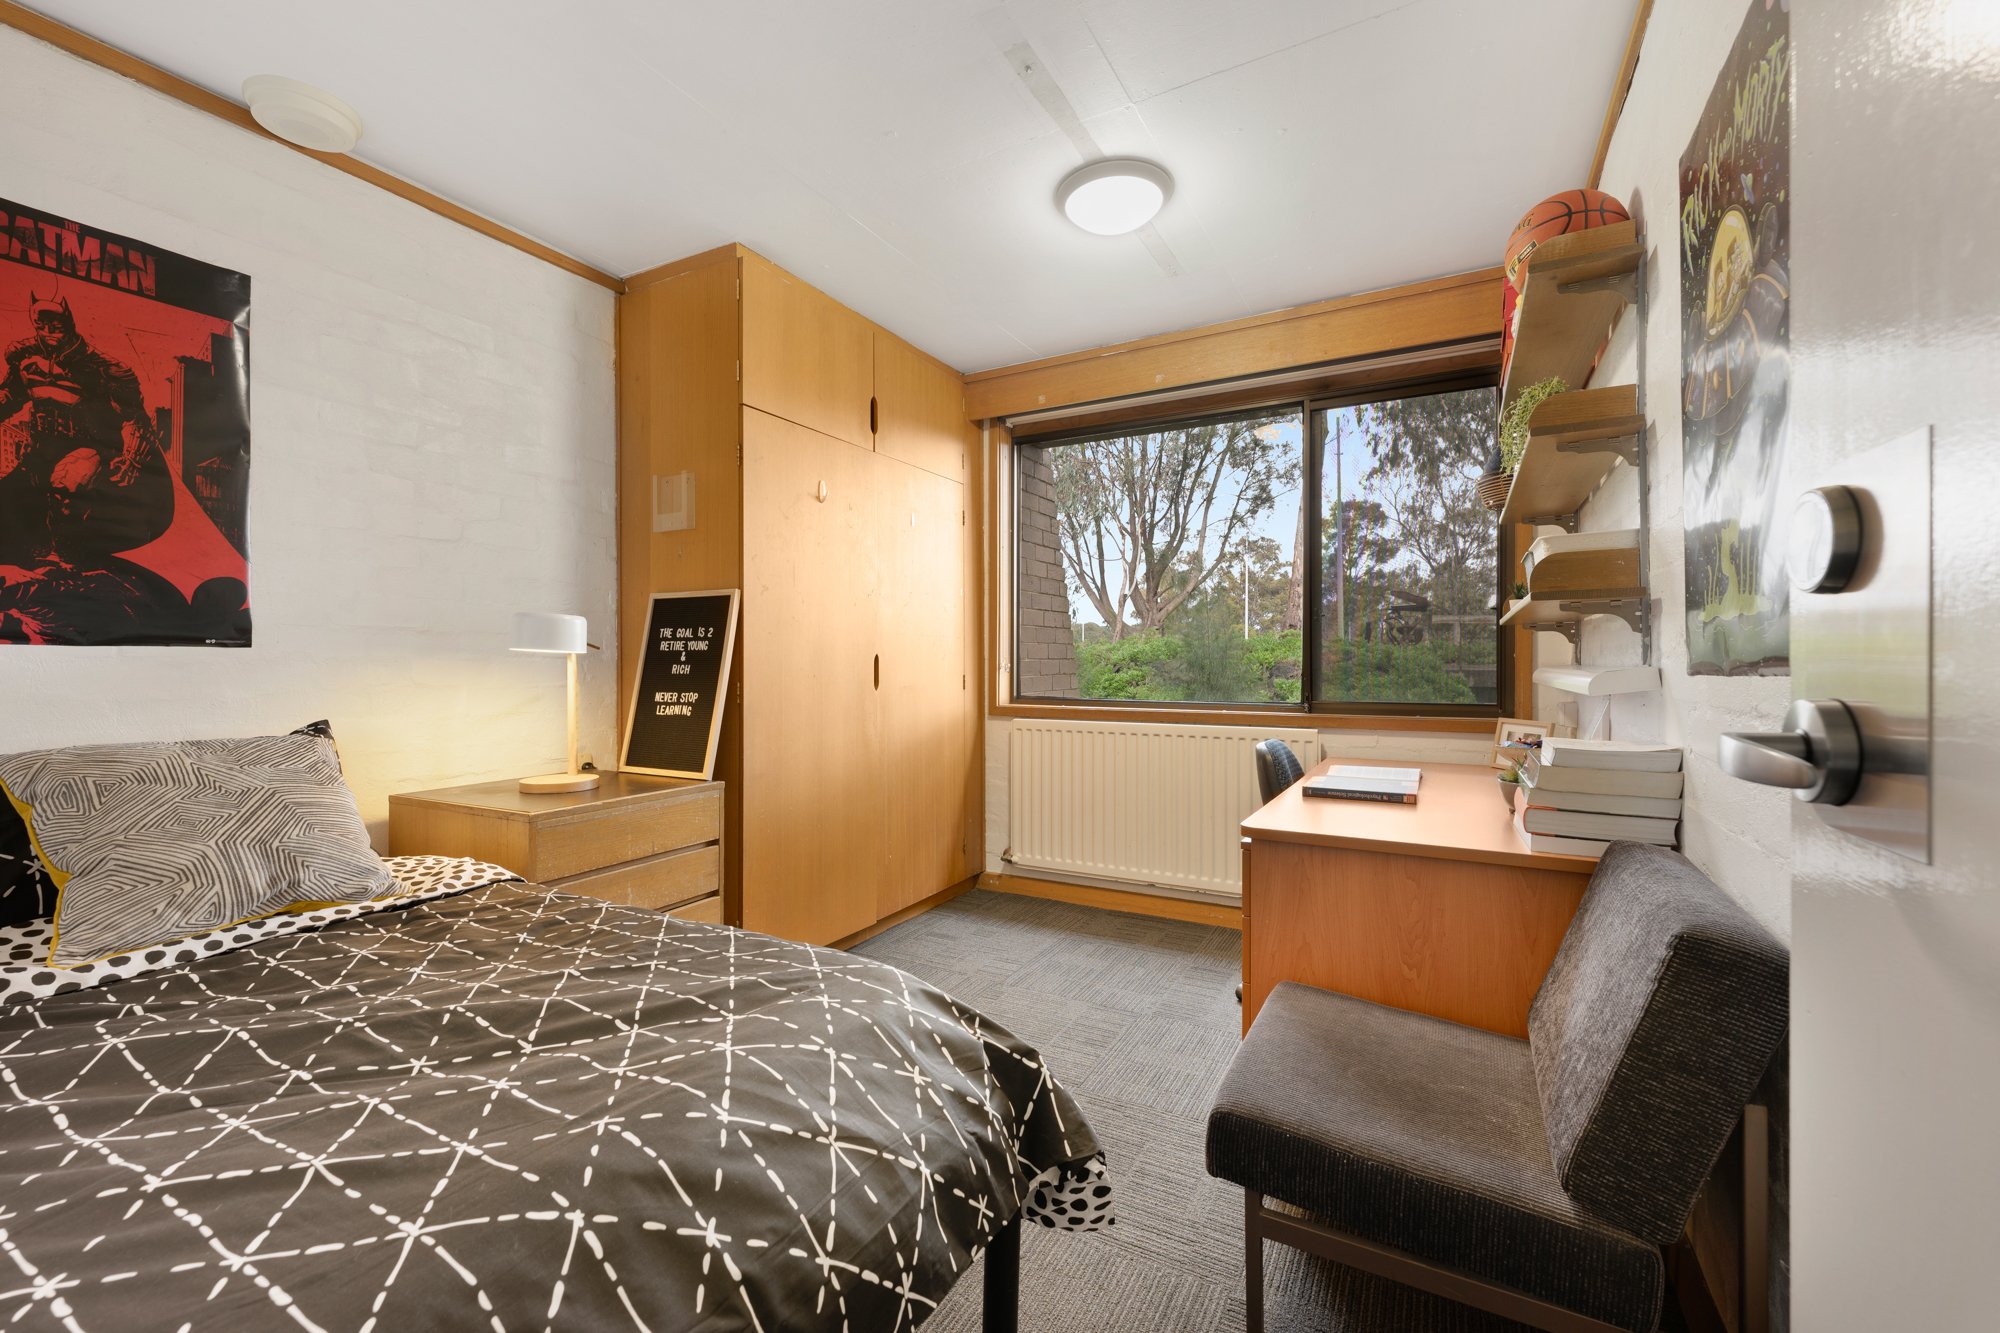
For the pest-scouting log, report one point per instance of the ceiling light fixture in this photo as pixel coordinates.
(1117, 195)
(301, 114)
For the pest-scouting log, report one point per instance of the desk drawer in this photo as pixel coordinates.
(656, 882)
(561, 849)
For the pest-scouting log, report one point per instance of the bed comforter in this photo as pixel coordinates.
(512, 1108)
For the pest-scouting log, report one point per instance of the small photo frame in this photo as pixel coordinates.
(1513, 736)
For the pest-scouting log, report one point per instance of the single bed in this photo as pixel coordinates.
(487, 1104)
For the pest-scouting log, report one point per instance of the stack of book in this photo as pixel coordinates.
(1578, 797)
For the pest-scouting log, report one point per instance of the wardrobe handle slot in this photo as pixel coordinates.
(878, 671)
(873, 416)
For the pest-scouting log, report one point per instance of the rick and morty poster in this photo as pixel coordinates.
(1735, 282)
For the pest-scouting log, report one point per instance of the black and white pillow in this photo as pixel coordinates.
(151, 843)
(26, 891)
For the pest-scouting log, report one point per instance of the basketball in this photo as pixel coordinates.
(1558, 215)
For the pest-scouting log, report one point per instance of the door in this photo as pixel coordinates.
(926, 681)
(812, 753)
(806, 357)
(919, 409)
(1896, 962)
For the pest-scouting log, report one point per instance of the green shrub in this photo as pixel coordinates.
(1265, 668)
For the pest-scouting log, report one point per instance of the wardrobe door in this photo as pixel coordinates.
(926, 681)
(812, 752)
(919, 409)
(806, 357)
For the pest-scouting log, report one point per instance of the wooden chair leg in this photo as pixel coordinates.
(1253, 1263)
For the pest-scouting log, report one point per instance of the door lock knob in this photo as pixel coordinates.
(1817, 756)
(1826, 540)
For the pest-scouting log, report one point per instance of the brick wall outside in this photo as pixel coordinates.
(1045, 645)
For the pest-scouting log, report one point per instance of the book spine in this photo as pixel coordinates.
(1392, 798)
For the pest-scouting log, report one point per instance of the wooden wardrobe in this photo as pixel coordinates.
(770, 439)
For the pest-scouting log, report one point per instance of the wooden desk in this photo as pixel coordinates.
(1434, 907)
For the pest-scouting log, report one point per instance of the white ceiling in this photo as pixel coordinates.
(903, 154)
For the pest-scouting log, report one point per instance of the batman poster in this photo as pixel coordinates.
(124, 440)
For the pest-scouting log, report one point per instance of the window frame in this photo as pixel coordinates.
(1311, 709)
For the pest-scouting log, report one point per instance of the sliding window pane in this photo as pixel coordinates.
(1408, 552)
(1164, 563)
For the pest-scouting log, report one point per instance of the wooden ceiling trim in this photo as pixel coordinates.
(1619, 91)
(106, 56)
(1434, 313)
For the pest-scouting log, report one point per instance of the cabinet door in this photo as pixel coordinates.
(919, 409)
(926, 682)
(806, 357)
(812, 753)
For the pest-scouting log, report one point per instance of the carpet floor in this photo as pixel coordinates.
(1137, 1017)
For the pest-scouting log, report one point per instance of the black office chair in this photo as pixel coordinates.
(1277, 769)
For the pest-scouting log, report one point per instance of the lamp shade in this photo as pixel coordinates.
(548, 632)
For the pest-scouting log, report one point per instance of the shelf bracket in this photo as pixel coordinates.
(1567, 522)
(1636, 612)
(1627, 447)
(1625, 285)
(1569, 629)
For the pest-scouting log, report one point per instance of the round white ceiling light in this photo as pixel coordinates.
(301, 114)
(1117, 195)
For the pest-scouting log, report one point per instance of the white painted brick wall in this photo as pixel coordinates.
(433, 425)
(1740, 834)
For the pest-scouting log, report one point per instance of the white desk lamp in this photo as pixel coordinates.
(544, 632)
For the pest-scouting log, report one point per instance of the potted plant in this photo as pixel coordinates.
(1514, 420)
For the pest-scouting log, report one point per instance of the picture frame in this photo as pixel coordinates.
(1520, 732)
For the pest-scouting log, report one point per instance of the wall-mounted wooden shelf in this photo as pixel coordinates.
(1574, 439)
(1575, 288)
(1574, 574)
(1599, 681)
(1564, 613)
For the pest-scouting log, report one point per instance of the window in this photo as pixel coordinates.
(1331, 554)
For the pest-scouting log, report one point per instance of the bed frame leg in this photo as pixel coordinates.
(1002, 1307)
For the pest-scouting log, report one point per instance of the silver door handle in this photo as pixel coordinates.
(1818, 754)
(1767, 758)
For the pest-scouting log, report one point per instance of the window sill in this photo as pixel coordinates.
(1248, 716)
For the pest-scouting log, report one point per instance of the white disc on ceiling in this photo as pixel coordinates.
(301, 114)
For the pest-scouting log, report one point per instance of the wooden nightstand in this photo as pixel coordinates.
(647, 842)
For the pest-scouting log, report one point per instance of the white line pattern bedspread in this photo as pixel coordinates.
(517, 1109)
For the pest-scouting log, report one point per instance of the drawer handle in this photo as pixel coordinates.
(878, 671)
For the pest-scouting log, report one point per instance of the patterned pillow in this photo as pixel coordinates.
(151, 843)
(26, 891)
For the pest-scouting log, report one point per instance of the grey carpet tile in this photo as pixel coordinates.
(1137, 1016)
(1171, 1063)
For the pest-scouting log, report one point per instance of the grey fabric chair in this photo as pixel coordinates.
(1533, 1179)
(1277, 768)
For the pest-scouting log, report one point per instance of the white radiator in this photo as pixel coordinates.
(1146, 802)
